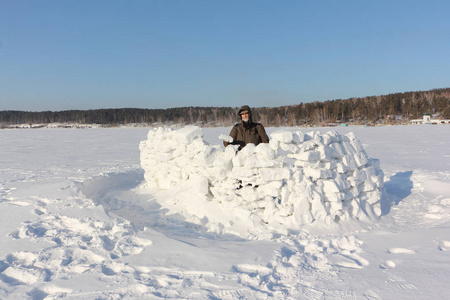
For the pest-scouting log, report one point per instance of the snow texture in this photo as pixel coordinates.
(296, 179)
(79, 220)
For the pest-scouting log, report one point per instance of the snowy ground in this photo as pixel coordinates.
(74, 225)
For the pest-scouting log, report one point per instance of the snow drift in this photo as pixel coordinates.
(296, 179)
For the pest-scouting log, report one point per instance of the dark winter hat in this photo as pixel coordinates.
(244, 109)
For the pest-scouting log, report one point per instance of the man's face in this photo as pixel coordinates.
(245, 117)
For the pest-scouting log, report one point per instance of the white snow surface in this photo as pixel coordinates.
(86, 215)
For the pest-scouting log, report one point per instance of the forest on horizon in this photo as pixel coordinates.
(398, 108)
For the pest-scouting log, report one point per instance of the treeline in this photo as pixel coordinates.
(123, 116)
(392, 108)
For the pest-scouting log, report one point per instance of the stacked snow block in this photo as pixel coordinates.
(171, 157)
(298, 178)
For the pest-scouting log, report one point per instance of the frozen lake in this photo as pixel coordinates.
(74, 226)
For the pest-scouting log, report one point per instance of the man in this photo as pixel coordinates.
(247, 131)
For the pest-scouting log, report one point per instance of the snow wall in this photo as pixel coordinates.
(298, 178)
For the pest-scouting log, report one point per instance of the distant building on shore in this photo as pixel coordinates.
(427, 119)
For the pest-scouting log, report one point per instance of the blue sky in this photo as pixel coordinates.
(59, 55)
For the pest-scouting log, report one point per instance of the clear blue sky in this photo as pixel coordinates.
(89, 54)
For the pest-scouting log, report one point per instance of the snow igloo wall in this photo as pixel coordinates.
(297, 178)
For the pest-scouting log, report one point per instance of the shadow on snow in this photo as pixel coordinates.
(397, 188)
(116, 192)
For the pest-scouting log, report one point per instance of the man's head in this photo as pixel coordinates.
(245, 116)
(245, 113)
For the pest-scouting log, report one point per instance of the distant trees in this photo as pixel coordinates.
(446, 113)
(392, 108)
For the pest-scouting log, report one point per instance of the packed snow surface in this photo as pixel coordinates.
(86, 215)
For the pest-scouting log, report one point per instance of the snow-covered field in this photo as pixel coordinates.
(76, 223)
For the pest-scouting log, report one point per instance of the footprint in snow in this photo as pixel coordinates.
(39, 212)
(252, 269)
(388, 264)
(444, 245)
(355, 261)
(400, 251)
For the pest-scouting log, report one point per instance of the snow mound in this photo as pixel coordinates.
(296, 179)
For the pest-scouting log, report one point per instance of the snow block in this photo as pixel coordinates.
(188, 134)
(274, 174)
(282, 136)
